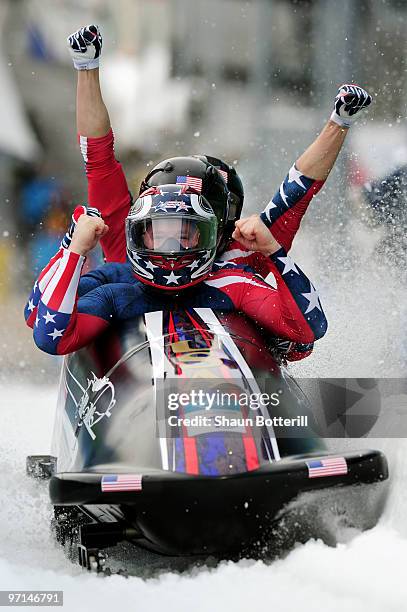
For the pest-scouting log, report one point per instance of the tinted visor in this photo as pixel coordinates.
(166, 234)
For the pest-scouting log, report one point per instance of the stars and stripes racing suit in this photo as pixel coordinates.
(67, 310)
(284, 301)
(108, 191)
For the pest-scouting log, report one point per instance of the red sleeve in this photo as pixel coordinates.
(239, 255)
(107, 191)
(81, 330)
(277, 311)
(285, 228)
(274, 309)
(284, 212)
(295, 355)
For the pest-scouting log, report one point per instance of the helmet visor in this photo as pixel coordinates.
(167, 234)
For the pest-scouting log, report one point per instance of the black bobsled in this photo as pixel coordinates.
(138, 461)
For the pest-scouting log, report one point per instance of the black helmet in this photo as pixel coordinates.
(198, 173)
(236, 194)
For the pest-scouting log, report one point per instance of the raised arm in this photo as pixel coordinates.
(92, 118)
(108, 273)
(107, 186)
(319, 159)
(284, 212)
(41, 283)
(45, 276)
(59, 326)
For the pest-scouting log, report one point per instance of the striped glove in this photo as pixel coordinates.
(78, 212)
(349, 100)
(85, 47)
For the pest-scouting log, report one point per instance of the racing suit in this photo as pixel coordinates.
(67, 311)
(108, 191)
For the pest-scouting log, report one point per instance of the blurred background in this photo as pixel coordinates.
(250, 81)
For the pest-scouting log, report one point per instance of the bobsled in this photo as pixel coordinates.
(183, 433)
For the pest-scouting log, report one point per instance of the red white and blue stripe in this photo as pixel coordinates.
(191, 181)
(328, 466)
(223, 174)
(53, 299)
(30, 311)
(60, 294)
(112, 483)
(112, 292)
(286, 209)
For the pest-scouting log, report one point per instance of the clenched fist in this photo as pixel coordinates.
(255, 236)
(85, 47)
(88, 232)
(349, 101)
(78, 212)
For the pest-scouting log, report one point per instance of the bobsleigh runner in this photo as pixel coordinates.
(135, 460)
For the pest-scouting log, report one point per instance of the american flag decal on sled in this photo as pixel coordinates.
(330, 466)
(121, 482)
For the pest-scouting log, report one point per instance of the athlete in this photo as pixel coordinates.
(171, 237)
(108, 191)
(108, 188)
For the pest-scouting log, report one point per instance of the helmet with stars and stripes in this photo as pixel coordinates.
(171, 237)
(210, 177)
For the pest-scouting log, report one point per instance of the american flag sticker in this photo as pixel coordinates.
(191, 181)
(223, 174)
(329, 466)
(121, 482)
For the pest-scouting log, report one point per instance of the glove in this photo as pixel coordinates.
(349, 100)
(85, 47)
(78, 212)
